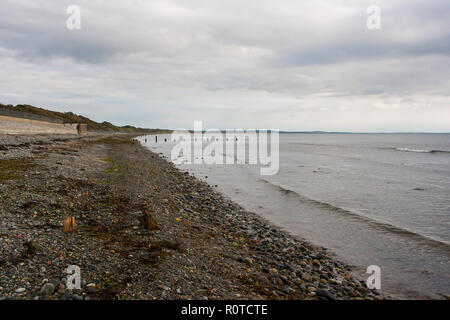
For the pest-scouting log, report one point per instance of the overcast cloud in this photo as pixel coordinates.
(287, 64)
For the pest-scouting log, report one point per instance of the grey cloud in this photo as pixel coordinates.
(163, 63)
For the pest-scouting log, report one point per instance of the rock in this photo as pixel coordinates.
(325, 293)
(290, 268)
(20, 290)
(262, 280)
(54, 282)
(306, 277)
(273, 271)
(66, 296)
(90, 290)
(287, 290)
(277, 281)
(248, 260)
(77, 297)
(47, 289)
(61, 289)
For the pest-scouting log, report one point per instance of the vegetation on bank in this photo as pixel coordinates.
(70, 117)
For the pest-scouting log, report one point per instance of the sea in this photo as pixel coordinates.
(370, 199)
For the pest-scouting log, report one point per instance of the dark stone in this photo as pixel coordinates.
(325, 293)
(66, 296)
(55, 282)
(90, 290)
(47, 289)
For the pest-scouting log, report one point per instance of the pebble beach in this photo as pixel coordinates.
(202, 246)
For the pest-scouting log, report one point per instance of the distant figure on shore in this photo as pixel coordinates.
(145, 139)
(156, 139)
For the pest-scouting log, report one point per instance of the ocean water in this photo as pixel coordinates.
(371, 199)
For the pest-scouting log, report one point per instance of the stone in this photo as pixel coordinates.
(306, 277)
(248, 260)
(47, 289)
(446, 296)
(61, 289)
(325, 293)
(285, 279)
(277, 281)
(55, 282)
(66, 296)
(90, 290)
(288, 290)
(273, 271)
(20, 290)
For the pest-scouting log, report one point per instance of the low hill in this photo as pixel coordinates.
(70, 117)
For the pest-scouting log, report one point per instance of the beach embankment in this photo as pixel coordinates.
(144, 230)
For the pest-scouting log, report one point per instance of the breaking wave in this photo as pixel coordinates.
(420, 151)
(354, 215)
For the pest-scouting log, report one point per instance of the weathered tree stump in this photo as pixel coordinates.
(69, 225)
(147, 221)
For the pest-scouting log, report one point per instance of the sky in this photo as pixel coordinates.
(285, 64)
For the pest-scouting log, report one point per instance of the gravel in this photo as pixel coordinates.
(205, 246)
